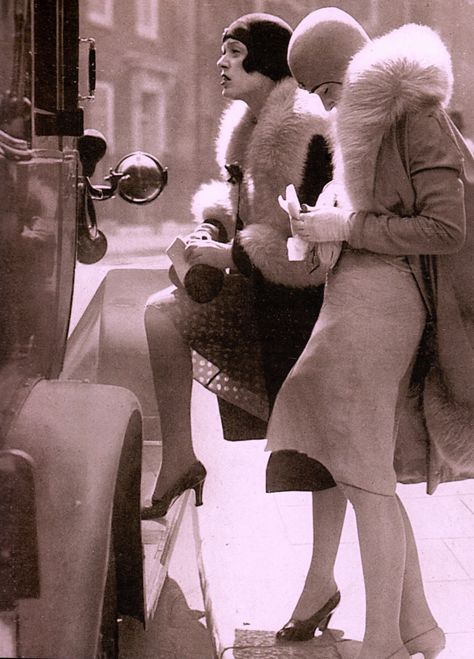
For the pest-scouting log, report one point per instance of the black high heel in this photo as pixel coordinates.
(193, 479)
(303, 630)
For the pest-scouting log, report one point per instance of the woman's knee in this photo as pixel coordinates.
(155, 322)
(160, 329)
(360, 498)
(157, 310)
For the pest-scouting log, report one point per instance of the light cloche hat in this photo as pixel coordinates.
(322, 46)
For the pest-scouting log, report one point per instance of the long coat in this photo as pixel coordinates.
(392, 112)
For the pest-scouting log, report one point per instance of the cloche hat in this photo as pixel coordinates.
(266, 38)
(322, 46)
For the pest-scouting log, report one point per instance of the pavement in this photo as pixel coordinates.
(178, 629)
(253, 551)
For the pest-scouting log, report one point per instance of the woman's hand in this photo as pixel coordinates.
(322, 225)
(209, 252)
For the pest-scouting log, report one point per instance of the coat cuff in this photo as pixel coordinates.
(356, 223)
(241, 258)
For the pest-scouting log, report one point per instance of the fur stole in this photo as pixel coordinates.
(271, 153)
(403, 71)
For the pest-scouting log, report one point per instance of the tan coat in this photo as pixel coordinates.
(392, 120)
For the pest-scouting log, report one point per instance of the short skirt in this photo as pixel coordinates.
(224, 338)
(340, 403)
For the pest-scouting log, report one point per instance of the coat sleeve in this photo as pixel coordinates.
(438, 225)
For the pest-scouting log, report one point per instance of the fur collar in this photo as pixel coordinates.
(271, 139)
(272, 153)
(406, 70)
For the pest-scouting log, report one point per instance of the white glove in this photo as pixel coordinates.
(323, 225)
(296, 246)
(291, 204)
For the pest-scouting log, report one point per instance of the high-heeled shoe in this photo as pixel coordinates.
(303, 630)
(193, 479)
(429, 643)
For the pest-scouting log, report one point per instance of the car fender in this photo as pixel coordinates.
(85, 442)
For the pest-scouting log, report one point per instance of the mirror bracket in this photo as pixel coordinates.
(103, 192)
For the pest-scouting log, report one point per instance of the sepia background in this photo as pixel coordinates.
(158, 90)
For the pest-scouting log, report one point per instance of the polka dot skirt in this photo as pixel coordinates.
(224, 338)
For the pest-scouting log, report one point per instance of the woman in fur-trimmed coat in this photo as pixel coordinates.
(246, 339)
(388, 373)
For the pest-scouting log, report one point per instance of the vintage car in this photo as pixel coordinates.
(72, 555)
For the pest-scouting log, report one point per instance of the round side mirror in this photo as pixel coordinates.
(91, 249)
(143, 178)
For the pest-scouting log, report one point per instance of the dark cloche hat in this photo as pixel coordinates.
(266, 38)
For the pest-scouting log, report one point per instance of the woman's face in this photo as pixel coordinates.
(329, 92)
(236, 82)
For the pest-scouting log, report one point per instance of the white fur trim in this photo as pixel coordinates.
(272, 153)
(266, 248)
(212, 202)
(236, 115)
(403, 71)
(453, 422)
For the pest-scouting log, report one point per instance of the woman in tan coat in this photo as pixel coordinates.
(381, 374)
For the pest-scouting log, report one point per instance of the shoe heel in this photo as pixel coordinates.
(323, 625)
(198, 492)
(430, 644)
(303, 630)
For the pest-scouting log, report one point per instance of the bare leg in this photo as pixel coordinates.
(172, 375)
(381, 532)
(329, 509)
(415, 615)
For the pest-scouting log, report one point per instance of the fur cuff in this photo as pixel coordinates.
(266, 248)
(212, 202)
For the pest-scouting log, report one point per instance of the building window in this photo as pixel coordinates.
(101, 12)
(149, 116)
(100, 113)
(147, 18)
